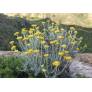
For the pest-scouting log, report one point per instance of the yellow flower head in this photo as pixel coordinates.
(73, 43)
(30, 51)
(64, 46)
(31, 29)
(77, 49)
(68, 58)
(40, 38)
(34, 25)
(28, 44)
(57, 43)
(16, 51)
(30, 32)
(37, 28)
(66, 51)
(16, 33)
(30, 36)
(11, 42)
(24, 30)
(60, 37)
(54, 42)
(57, 31)
(42, 42)
(46, 46)
(13, 47)
(36, 51)
(25, 39)
(19, 38)
(46, 55)
(56, 63)
(52, 30)
(38, 33)
(61, 53)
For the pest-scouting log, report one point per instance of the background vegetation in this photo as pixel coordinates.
(10, 25)
(13, 66)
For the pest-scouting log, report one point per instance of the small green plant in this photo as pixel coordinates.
(48, 51)
(11, 66)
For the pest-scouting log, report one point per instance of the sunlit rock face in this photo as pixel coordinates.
(81, 19)
(80, 69)
(81, 66)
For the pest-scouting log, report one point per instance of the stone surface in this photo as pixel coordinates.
(8, 53)
(80, 69)
(81, 66)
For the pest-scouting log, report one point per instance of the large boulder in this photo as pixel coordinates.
(81, 66)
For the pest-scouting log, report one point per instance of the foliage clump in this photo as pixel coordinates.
(12, 67)
(48, 51)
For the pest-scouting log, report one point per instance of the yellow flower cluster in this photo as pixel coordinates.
(19, 38)
(24, 30)
(16, 33)
(65, 54)
(60, 37)
(47, 46)
(61, 53)
(67, 58)
(31, 31)
(31, 51)
(36, 51)
(46, 55)
(56, 63)
(28, 44)
(11, 42)
(30, 36)
(13, 48)
(38, 33)
(41, 38)
(64, 46)
(54, 42)
(25, 39)
(34, 25)
(77, 49)
(57, 31)
(43, 42)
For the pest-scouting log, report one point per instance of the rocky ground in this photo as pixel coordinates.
(80, 67)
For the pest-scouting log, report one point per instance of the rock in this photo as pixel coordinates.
(9, 53)
(86, 57)
(81, 66)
